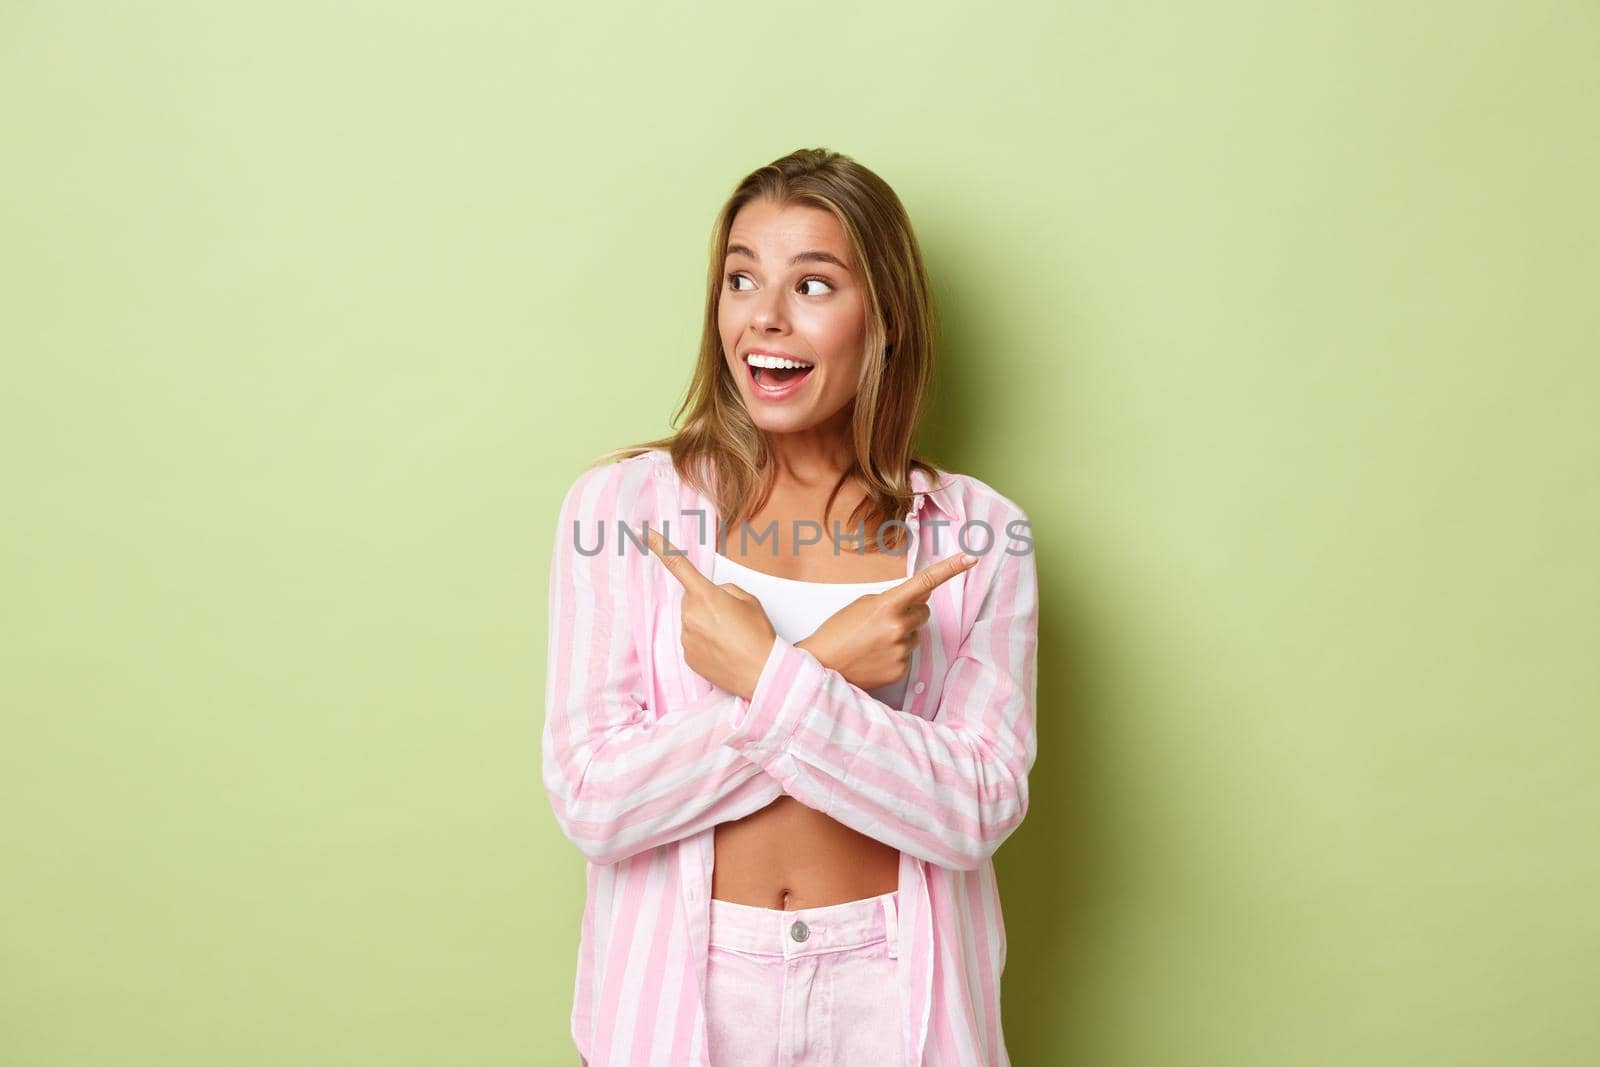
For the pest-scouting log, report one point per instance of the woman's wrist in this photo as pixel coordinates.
(816, 648)
(758, 665)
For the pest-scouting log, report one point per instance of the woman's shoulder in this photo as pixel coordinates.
(624, 485)
(621, 468)
(990, 518)
(970, 496)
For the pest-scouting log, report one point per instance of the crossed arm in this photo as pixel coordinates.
(623, 777)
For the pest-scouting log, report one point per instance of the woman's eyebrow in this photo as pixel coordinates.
(803, 257)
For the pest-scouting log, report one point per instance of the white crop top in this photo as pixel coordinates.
(797, 608)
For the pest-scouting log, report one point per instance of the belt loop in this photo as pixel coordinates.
(892, 926)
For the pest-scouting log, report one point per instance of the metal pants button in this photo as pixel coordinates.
(798, 931)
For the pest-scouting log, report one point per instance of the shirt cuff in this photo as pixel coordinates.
(786, 689)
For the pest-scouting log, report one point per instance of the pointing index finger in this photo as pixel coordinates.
(920, 586)
(677, 563)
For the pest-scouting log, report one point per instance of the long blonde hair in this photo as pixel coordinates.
(896, 383)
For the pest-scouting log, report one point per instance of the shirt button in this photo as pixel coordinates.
(921, 686)
(798, 931)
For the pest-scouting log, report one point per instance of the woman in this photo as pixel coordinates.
(790, 696)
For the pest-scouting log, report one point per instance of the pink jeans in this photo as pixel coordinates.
(806, 986)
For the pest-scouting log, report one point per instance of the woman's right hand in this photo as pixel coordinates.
(870, 639)
(726, 633)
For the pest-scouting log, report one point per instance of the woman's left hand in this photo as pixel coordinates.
(727, 636)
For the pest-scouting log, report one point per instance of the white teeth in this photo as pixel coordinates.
(757, 359)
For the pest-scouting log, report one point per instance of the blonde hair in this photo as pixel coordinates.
(896, 384)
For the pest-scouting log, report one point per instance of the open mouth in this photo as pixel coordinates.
(776, 378)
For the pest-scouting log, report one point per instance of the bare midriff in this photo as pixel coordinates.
(788, 855)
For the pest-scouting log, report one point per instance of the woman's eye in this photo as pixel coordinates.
(733, 282)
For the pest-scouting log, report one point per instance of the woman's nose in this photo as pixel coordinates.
(769, 310)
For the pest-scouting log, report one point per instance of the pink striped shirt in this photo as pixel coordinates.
(642, 758)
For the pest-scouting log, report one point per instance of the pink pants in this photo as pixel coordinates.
(806, 986)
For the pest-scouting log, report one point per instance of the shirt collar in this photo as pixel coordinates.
(926, 492)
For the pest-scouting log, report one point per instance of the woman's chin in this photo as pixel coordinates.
(787, 421)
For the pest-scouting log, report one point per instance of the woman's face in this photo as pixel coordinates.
(789, 288)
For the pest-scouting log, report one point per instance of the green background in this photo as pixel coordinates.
(1279, 320)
